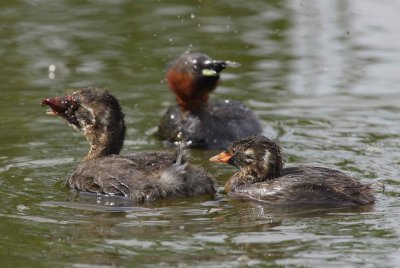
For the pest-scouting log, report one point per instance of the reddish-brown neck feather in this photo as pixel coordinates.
(191, 94)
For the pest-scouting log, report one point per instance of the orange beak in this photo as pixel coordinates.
(221, 158)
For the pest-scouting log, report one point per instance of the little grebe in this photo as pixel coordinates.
(261, 177)
(141, 177)
(206, 124)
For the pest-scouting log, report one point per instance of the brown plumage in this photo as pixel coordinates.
(261, 177)
(141, 177)
(206, 124)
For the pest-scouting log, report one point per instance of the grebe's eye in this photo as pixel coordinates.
(196, 68)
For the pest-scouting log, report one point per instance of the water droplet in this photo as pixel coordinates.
(52, 69)
(21, 207)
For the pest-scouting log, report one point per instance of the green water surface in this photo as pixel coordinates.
(322, 75)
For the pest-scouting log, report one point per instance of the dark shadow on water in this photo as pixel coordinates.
(251, 214)
(104, 203)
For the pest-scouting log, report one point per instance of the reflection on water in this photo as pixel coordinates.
(322, 75)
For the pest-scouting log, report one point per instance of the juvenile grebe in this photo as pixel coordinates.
(261, 177)
(141, 177)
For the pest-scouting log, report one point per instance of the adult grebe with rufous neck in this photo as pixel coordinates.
(206, 124)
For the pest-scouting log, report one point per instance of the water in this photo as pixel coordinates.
(322, 75)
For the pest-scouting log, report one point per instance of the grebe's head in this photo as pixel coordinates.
(256, 156)
(192, 76)
(97, 114)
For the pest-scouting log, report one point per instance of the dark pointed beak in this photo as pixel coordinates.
(218, 66)
(221, 158)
